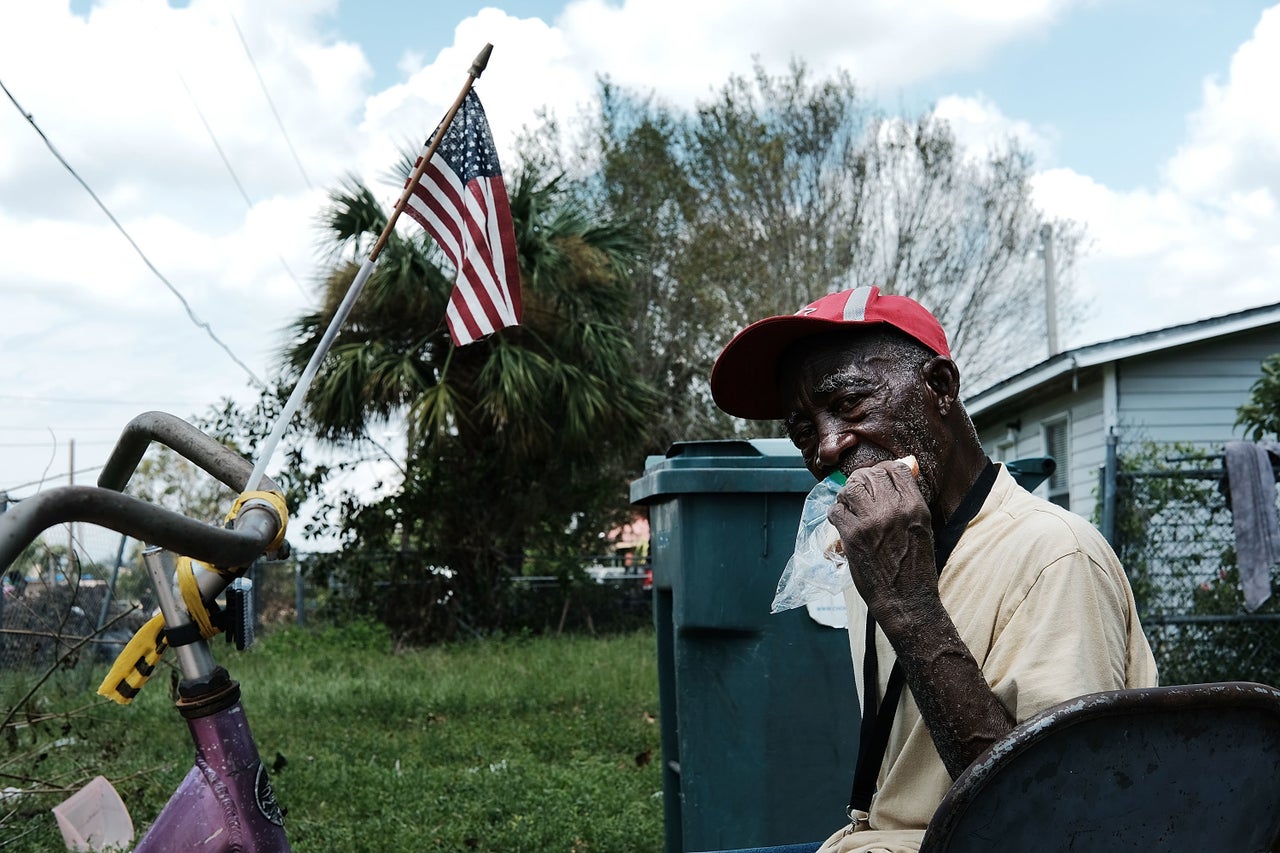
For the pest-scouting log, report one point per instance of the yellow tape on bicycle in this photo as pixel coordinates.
(135, 665)
(277, 503)
(137, 662)
(190, 591)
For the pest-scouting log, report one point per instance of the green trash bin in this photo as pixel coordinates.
(759, 711)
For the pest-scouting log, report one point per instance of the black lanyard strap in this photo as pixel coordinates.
(877, 716)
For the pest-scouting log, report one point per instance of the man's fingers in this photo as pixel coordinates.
(875, 490)
(874, 482)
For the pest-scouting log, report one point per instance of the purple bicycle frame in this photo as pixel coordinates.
(225, 803)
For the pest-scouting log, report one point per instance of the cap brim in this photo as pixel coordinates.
(744, 379)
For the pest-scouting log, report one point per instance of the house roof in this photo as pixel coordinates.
(1067, 362)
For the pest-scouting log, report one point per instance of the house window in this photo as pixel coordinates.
(1057, 445)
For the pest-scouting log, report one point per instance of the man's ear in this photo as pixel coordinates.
(942, 377)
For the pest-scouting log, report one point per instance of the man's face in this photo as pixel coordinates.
(853, 402)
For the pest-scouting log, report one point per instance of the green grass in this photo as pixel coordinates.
(520, 744)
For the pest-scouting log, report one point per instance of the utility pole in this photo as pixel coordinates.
(71, 525)
(1050, 289)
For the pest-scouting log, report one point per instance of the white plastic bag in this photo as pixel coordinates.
(817, 568)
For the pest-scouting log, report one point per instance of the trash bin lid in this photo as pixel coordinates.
(725, 465)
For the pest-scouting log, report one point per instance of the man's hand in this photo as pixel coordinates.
(887, 537)
(884, 527)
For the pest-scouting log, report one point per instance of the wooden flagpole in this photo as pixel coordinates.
(291, 407)
(477, 68)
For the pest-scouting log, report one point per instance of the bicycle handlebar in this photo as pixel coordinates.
(105, 505)
(218, 460)
(144, 521)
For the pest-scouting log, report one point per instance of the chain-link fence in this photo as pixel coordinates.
(78, 593)
(58, 610)
(1174, 533)
(415, 598)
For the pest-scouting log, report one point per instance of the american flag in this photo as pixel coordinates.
(462, 202)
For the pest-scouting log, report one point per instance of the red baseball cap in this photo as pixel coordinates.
(742, 379)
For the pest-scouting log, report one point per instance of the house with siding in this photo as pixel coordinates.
(1179, 384)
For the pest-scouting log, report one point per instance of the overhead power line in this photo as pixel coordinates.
(77, 428)
(236, 178)
(42, 480)
(10, 444)
(217, 145)
(86, 401)
(119, 227)
(270, 103)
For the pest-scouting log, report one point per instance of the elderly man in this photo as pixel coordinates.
(989, 603)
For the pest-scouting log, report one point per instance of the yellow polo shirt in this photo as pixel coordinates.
(1043, 604)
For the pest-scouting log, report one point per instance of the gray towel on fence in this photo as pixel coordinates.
(1253, 515)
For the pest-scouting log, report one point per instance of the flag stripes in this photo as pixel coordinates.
(462, 203)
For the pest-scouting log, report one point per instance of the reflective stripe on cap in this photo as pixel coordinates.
(855, 309)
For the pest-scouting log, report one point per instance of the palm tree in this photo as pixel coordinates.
(519, 445)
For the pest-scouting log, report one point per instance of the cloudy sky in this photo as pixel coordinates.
(211, 129)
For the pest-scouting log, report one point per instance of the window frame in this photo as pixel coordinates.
(1058, 486)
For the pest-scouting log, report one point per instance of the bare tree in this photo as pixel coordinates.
(779, 189)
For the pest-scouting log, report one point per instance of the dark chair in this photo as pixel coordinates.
(1184, 768)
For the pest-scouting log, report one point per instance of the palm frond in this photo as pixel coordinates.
(436, 415)
(513, 386)
(352, 214)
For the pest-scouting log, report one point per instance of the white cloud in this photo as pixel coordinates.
(531, 67)
(682, 49)
(1207, 241)
(1232, 140)
(981, 127)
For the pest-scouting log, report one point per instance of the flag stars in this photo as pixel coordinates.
(468, 144)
